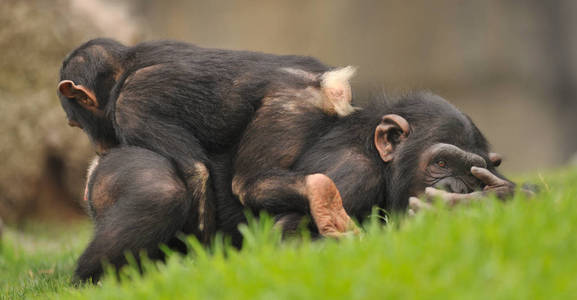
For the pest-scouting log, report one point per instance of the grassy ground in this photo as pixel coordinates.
(516, 250)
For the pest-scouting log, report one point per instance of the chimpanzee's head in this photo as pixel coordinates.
(87, 76)
(427, 142)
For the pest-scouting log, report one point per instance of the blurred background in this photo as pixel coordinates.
(510, 65)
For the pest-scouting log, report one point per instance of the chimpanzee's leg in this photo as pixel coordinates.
(138, 201)
(280, 192)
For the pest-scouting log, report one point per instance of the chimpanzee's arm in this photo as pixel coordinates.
(140, 124)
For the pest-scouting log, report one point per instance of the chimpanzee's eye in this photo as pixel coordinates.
(441, 163)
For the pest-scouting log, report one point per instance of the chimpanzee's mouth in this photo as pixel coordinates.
(457, 185)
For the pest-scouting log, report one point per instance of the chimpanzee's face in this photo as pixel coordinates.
(448, 167)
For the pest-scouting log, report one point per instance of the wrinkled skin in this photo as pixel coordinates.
(456, 176)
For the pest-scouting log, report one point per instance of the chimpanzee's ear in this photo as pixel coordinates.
(495, 158)
(392, 130)
(83, 95)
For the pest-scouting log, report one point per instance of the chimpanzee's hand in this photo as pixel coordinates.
(493, 185)
(502, 188)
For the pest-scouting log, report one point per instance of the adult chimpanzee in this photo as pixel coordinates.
(294, 160)
(186, 105)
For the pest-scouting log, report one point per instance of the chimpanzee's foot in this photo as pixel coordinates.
(326, 207)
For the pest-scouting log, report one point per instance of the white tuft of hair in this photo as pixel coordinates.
(91, 168)
(338, 77)
(337, 89)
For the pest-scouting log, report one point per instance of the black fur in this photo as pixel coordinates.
(137, 200)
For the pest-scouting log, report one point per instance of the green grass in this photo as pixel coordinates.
(39, 259)
(521, 249)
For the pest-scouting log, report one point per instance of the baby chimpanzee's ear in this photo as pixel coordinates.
(84, 96)
(392, 130)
